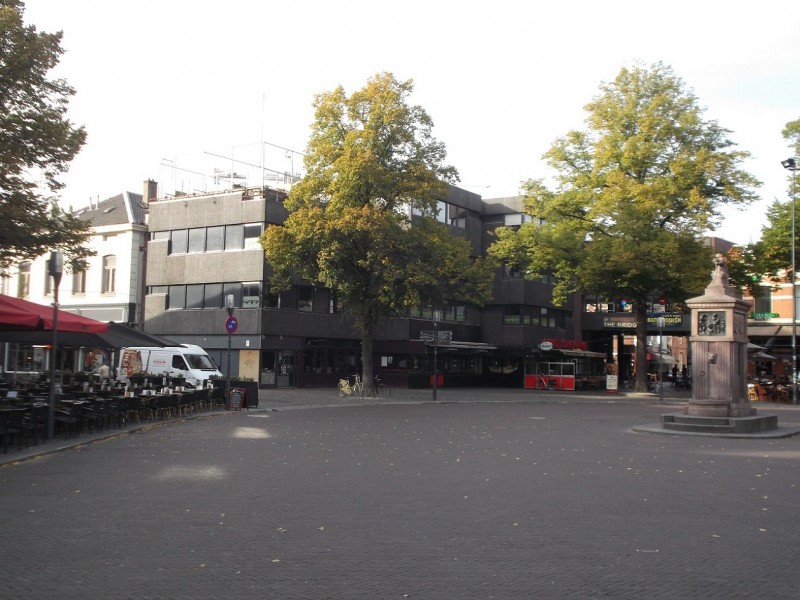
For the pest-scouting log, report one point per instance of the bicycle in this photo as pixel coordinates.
(545, 384)
(354, 389)
(381, 389)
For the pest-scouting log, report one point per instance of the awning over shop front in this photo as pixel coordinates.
(762, 357)
(456, 345)
(582, 353)
(769, 331)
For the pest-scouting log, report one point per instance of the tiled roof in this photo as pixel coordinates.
(122, 208)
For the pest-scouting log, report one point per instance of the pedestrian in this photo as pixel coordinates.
(674, 374)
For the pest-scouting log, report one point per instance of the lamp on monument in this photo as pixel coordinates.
(791, 164)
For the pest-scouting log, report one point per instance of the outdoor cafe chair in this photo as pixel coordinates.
(11, 426)
(35, 423)
(68, 419)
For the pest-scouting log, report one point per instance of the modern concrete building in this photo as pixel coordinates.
(204, 247)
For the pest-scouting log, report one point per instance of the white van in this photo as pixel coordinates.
(188, 361)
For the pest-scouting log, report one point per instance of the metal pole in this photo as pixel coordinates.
(660, 359)
(794, 292)
(791, 164)
(55, 268)
(435, 365)
(229, 304)
(228, 371)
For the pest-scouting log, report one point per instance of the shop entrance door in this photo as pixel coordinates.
(285, 368)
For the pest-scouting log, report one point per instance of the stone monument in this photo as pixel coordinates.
(719, 363)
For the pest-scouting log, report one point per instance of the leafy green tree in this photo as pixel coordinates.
(634, 193)
(357, 220)
(37, 143)
(791, 133)
(769, 259)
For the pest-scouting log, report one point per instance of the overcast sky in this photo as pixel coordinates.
(195, 83)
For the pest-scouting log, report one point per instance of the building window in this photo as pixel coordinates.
(232, 289)
(213, 296)
(457, 216)
(305, 298)
(24, 280)
(511, 315)
(194, 296)
(179, 241)
(763, 299)
(197, 240)
(252, 231)
(176, 297)
(79, 282)
(234, 237)
(215, 238)
(333, 302)
(109, 274)
(271, 299)
(251, 292)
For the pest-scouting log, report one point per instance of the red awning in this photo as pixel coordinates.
(21, 315)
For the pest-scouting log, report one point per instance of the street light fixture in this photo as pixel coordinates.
(229, 304)
(55, 268)
(791, 164)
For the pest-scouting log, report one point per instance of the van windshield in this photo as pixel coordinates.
(200, 361)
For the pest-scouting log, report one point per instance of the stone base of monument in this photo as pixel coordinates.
(752, 423)
(705, 407)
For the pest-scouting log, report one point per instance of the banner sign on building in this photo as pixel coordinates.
(628, 320)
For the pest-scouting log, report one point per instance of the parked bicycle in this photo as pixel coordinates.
(381, 389)
(351, 389)
(545, 384)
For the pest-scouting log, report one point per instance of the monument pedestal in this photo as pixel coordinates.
(719, 364)
(707, 407)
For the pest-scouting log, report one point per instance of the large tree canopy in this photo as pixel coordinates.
(634, 192)
(357, 220)
(37, 143)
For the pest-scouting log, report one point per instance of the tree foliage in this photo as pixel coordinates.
(791, 133)
(372, 163)
(634, 193)
(37, 143)
(769, 259)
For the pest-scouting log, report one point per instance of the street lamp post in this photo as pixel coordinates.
(435, 320)
(791, 164)
(229, 304)
(55, 268)
(660, 359)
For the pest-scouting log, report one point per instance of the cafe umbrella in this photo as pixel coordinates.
(21, 315)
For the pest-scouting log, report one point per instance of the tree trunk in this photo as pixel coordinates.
(366, 362)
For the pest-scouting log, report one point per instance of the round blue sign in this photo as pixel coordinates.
(231, 324)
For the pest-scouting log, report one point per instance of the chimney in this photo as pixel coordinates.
(150, 191)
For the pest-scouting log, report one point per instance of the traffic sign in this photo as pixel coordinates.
(231, 324)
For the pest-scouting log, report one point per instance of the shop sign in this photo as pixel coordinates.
(763, 316)
(619, 322)
(670, 319)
